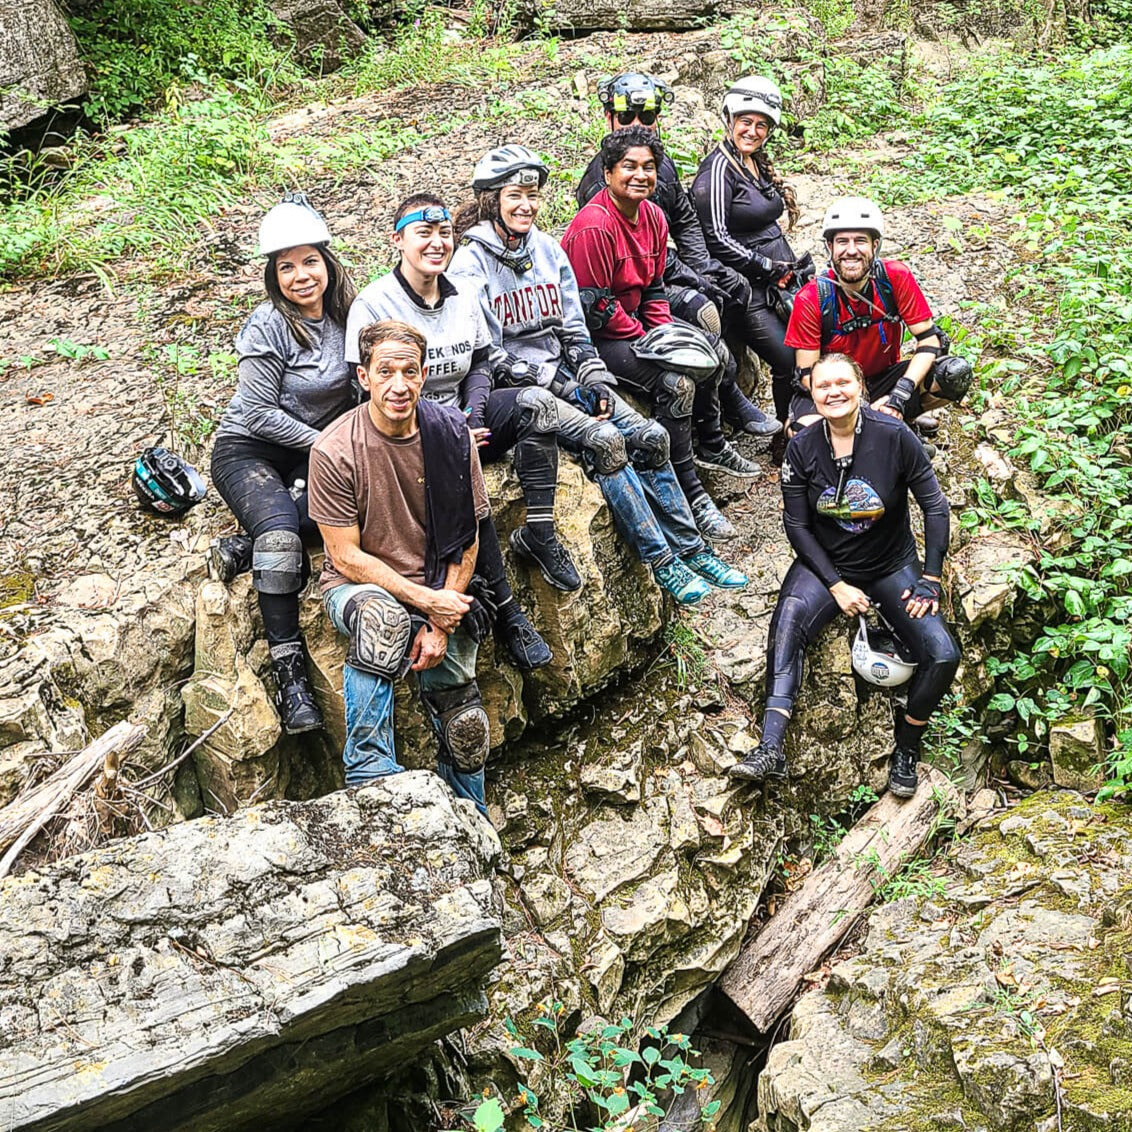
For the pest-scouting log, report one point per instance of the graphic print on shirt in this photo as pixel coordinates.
(447, 360)
(522, 306)
(859, 507)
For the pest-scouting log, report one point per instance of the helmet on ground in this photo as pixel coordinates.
(290, 224)
(633, 91)
(852, 214)
(879, 658)
(753, 95)
(166, 484)
(509, 165)
(680, 347)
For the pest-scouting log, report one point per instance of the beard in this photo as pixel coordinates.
(855, 270)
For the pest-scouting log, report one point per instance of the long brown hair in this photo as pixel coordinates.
(468, 215)
(769, 173)
(340, 293)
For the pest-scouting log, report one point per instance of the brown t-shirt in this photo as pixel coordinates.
(359, 476)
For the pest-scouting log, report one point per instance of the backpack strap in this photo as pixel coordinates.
(827, 305)
(884, 311)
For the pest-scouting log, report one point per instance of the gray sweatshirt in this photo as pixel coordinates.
(454, 330)
(287, 394)
(537, 314)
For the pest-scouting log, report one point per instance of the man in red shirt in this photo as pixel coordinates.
(860, 307)
(617, 246)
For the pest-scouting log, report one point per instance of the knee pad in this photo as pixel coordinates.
(695, 307)
(604, 448)
(461, 725)
(277, 563)
(678, 391)
(707, 318)
(648, 447)
(380, 633)
(539, 409)
(952, 377)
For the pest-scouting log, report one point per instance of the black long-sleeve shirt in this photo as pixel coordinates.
(864, 532)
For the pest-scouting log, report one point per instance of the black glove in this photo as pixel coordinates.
(804, 268)
(592, 399)
(901, 394)
(481, 613)
(926, 590)
(772, 269)
(514, 372)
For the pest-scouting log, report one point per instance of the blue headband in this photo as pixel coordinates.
(434, 214)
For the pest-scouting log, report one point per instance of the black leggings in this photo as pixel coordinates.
(761, 329)
(253, 477)
(805, 607)
(532, 435)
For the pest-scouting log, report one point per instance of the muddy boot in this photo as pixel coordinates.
(229, 557)
(295, 700)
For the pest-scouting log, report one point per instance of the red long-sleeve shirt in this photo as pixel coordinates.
(605, 250)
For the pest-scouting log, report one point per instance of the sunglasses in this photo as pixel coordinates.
(628, 117)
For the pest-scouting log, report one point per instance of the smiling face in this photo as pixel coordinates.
(393, 378)
(749, 132)
(518, 206)
(425, 248)
(836, 390)
(303, 278)
(851, 254)
(633, 178)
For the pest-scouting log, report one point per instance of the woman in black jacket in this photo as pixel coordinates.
(740, 200)
(845, 485)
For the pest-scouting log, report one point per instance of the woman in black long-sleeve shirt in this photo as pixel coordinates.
(740, 200)
(845, 486)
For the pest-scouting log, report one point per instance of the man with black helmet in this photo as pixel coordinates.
(859, 307)
(701, 290)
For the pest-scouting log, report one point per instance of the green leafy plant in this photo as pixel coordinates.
(606, 1079)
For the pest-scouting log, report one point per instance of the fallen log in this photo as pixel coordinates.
(811, 921)
(23, 818)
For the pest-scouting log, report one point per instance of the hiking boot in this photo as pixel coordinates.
(710, 566)
(526, 648)
(294, 700)
(902, 780)
(551, 557)
(726, 459)
(710, 520)
(742, 414)
(763, 762)
(229, 557)
(676, 579)
(926, 424)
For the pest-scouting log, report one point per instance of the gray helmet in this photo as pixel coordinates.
(633, 91)
(680, 347)
(509, 165)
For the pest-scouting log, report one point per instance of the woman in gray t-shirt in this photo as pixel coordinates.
(293, 382)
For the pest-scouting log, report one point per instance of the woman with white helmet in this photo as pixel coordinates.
(530, 302)
(293, 381)
(845, 487)
(740, 199)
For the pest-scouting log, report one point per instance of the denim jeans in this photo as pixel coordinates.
(647, 504)
(369, 751)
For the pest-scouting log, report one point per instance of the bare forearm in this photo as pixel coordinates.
(355, 564)
(459, 576)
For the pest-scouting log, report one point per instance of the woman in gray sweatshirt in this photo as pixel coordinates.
(530, 303)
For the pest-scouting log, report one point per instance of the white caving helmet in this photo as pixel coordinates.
(753, 95)
(879, 658)
(509, 165)
(852, 214)
(290, 224)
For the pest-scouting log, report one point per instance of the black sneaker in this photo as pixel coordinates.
(551, 557)
(526, 648)
(902, 780)
(229, 557)
(763, 762)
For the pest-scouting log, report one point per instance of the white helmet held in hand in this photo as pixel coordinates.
(753, 95)
(290, 224)
(852, 214)
(878, 658)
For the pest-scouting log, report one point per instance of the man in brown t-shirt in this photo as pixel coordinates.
(397, 491)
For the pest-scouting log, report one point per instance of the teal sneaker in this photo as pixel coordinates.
(712, 567)
(680, 582)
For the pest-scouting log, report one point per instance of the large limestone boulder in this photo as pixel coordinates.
(324, 36)
(39, 62)
(224, 971)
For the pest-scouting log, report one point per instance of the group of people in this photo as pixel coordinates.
(489, 337)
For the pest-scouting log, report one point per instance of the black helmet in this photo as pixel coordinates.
(633, 91)
(165, 483)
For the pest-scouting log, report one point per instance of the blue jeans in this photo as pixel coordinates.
(648, 505)
(369, 751)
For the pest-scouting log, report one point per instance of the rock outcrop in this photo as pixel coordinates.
(205, 975)
(324, 36)
(997, 999)
(39, 62)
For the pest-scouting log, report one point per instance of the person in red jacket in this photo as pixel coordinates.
(616, 245)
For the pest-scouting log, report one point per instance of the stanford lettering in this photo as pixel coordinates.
(529, 304)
